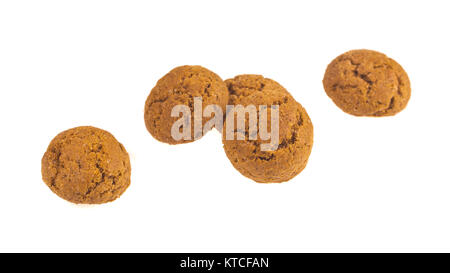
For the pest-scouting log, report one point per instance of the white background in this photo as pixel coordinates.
(372, 184)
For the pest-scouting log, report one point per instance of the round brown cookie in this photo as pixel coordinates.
(179, 87)
(86, 165)
(295, 131)
(367, 83)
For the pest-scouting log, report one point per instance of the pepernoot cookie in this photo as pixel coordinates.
(179, 87)
(367, 83)
(86, 165)
(295, 137)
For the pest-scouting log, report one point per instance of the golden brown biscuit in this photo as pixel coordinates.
(179, 87)
(295, 132)
(367, 83)
(86, 165)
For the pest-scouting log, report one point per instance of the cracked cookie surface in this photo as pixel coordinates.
(367, 83)
(179, 87)
(295, 132)
(86, 165)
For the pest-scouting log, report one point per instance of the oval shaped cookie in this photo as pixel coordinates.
(295, 138)
(367, 83)
(86, 165)
(180, 87)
